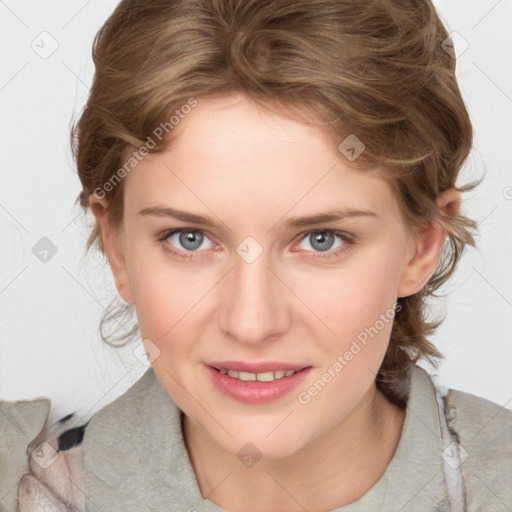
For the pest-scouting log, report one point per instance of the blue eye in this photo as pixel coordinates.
(189, 239)
(321, 240)
(184, 242)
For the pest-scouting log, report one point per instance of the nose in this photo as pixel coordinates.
(254, 303)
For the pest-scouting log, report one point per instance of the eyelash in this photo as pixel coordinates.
(349, 242)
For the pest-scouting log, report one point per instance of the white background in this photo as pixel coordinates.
(49, 340)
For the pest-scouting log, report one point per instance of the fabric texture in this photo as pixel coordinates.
(20, 422)
(454, 454)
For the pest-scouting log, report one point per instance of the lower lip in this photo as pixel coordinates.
(255, 392)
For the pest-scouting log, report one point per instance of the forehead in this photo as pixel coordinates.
(236, 154)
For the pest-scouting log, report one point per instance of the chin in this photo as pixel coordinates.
(261, 447)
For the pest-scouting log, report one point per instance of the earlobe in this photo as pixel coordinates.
(112, 241)
(427, 248)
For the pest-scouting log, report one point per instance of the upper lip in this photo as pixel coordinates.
(263, 367)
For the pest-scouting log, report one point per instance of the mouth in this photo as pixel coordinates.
(256, 383)
(260, 377)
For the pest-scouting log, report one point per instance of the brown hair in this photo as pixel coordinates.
(376, 69)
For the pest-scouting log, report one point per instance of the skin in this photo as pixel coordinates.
(251, 170)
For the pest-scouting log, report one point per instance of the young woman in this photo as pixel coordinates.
(273, 184)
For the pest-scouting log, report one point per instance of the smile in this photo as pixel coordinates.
(262, 384)
(261, 377)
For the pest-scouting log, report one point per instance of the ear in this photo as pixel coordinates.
(427, 247)
(112, 237)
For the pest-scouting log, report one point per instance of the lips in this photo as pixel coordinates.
(255, 383)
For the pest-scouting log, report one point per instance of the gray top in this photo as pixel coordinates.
(135, 458)
(146, 421)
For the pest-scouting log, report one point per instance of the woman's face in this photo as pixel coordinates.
(256, 286)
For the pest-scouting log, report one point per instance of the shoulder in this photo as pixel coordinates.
(41, 464)
(55, 480)
(484, 433)
(134, 402)
(20, 422)
(483, 424)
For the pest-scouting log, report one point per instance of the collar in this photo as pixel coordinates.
(414, 479)
(135, 457)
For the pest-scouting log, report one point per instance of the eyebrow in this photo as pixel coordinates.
(293, 222)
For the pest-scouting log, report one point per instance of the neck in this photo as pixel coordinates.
(334, 470)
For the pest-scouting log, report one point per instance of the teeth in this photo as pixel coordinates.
(246, 376)
(267, 376)
(262, 377)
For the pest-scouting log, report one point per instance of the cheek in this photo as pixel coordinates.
(359, 306)
(357, 303)
(164, 293)
(359, 291)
